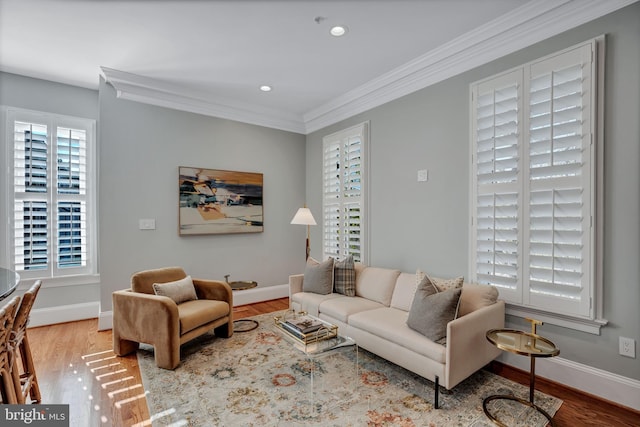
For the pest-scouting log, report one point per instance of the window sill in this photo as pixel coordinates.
(591, 326)
(56, 282)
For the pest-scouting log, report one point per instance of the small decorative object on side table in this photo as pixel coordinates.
(525, 344)
(242, 325)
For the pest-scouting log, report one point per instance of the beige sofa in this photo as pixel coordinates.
(376, 317)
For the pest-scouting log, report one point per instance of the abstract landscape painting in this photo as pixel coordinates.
(214, 201)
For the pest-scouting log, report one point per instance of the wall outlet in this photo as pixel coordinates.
(147, 224)
(423, 175)
(628, 347)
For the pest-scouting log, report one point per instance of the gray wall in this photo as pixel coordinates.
(426, 225)
(139, 150)
(40, 95)
(141, 147)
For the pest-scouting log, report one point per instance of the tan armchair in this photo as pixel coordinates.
(141, 316)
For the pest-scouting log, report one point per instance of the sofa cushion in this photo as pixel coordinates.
(200, 312)
(376, 284)
(318, 277)
(404, 291)
(179, 291)
(475, 296)
(429, 315)
(342, 308)
(310, 302)
(344, 277)
(391, 324)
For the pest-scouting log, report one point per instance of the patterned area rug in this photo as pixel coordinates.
(258, 378)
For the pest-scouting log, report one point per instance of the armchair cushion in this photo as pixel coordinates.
(180, 290)
(200, 312)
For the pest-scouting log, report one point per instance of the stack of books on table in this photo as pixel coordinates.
(301, 326)
(304, 328)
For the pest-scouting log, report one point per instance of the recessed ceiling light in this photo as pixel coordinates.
(339, 30)
(266, 88)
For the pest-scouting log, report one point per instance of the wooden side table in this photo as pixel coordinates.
(525, 344)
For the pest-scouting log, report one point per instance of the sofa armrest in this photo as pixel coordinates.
(467, 347)
(295, 284)
(213, 290)
(144, 317)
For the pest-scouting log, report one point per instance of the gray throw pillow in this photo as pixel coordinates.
(344, 277)
(318, 277)
(429, 314)
(180, 291)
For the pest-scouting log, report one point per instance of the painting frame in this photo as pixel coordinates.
(219, 201)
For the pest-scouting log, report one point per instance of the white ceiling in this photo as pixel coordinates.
(211, 56)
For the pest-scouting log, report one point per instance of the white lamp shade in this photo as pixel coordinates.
(303, 217)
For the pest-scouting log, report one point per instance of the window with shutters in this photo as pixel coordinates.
(52, 211)
(534, 139)
(344, 193)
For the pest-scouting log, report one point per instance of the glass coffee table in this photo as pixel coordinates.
(320, 355)
(320, 341)
(525, 344)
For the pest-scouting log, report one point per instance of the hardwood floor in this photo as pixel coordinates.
(76, 366)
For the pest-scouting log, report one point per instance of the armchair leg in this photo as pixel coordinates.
(167, 358)
(224, 331)
(122, 347)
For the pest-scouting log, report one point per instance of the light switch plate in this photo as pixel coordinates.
(423, 175)
(147, 224)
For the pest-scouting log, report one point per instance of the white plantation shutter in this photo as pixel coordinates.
(497, 131)
(52, 172)
(533, 195)
(344, 193)
(31, 204)
(497, 241)
(559, 157)
(332, 192)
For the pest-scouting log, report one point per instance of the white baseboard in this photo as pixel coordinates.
(62, 314)
(606, 385)
(249, 296)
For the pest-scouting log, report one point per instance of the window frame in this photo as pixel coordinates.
(592, 322)
(362, 131)
(52, 275)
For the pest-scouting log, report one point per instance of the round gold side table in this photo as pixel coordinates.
(525, 344)
(242, 325)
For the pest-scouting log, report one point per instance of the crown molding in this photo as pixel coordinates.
(146, 90)
(531, 23)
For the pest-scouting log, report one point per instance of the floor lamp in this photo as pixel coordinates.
(304, 217)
